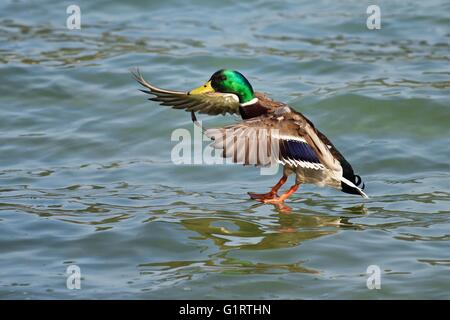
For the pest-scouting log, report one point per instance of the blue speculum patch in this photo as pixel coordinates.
(297, 150)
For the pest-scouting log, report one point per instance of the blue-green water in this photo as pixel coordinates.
(86, 177)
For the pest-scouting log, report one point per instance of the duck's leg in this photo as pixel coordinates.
(284, 196)
(269, 195)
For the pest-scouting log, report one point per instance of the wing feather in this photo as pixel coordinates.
(295, 145)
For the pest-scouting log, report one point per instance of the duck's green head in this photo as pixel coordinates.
(228, 81)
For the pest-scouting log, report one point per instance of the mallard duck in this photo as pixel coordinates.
(275, 128)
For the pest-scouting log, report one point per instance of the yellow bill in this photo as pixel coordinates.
(206, 88)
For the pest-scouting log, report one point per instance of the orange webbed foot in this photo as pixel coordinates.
(279, 201)
(262, 197)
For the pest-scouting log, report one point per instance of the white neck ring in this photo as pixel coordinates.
(253, 101)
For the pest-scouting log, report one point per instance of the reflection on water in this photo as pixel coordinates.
(233, 234)
(285, 231)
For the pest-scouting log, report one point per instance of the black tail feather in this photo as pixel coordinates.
(356, 179)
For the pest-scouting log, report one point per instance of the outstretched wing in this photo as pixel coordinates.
(266, 139)
(208, 103)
